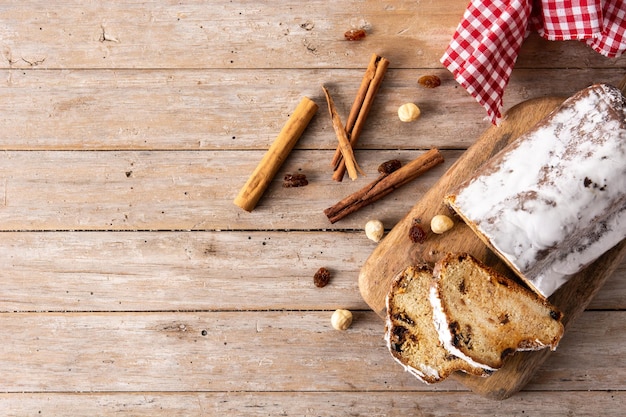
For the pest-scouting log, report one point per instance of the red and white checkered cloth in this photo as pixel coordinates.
(485, 46)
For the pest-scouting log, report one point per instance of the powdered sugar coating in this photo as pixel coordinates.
(555, 200)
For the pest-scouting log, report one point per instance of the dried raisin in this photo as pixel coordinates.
(295, 180)
(416, 233)
(321, 277)
(390, 166)
(355, 34)
(429, 81)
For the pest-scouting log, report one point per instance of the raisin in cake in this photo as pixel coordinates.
(554, 200)
(410, 331)
(483, 316)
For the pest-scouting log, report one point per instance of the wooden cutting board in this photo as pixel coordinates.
(396, 251)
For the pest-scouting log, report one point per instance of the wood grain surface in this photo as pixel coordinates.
(131, 283)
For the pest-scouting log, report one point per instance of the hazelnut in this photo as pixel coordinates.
(441, 223)
(408, 112)
(341, 319)
(374, 230)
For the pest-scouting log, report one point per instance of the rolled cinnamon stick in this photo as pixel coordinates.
(265, 171)
(384, 185)
(342, 137)
(372, 79)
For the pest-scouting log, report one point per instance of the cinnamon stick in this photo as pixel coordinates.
(384, 185)
(265, 171)
(361, 106)
(342, 137)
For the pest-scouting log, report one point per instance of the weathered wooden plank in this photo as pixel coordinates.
(187, 190)
(225, 34)
(161, 271)
(245, 109)
(609, 296)
(397, 404)
(245, 34)
(174, 271)
(257, 351)
(228, 351)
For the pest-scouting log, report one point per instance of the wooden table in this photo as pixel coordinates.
(132, 285)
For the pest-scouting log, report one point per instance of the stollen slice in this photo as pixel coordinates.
(410, 333)
(483, 317)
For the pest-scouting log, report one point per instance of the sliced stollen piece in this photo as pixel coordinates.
(554, 200)
(410, 331)
(483, 316)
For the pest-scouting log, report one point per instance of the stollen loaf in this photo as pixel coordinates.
(554, 200)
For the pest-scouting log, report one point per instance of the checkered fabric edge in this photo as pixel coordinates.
(485, 46)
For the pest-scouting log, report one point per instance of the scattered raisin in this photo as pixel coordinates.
(390, 166)
(462, 287)
(454, 330)
(398, 338)
(587, 182)
(429, 81)
(461, 338)
(321, 277)
(467, 337)
(397, 347)
(355, 34)
(403, 317)
(416, 233)
(506, 352)
(555, 315)
(400, 332)
(295, 180)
